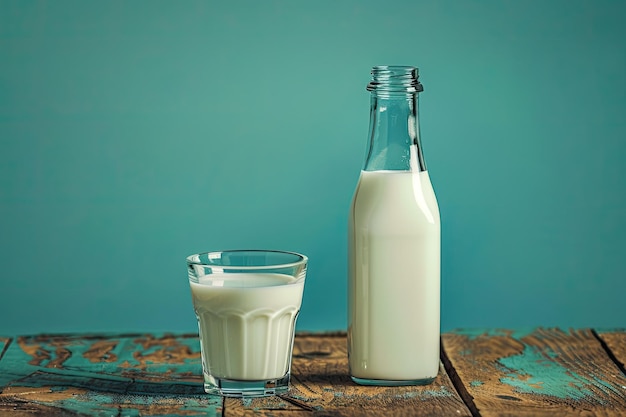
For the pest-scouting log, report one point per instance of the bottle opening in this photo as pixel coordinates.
(395, 79)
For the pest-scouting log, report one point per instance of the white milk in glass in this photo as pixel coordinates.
(394, 246)
(246, 323)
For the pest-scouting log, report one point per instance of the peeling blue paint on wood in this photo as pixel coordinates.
(99, 375)
(528, 373)
(534, 372)
(473, 333)
(122, 359)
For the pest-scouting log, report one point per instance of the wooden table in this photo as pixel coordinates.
(536, 372)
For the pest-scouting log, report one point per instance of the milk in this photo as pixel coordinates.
(394, 275)
(246, 323)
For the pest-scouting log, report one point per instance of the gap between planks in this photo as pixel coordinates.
(609, 352)
(7, 342)
(457, 383)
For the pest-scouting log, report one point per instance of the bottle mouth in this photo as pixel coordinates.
(391, 79)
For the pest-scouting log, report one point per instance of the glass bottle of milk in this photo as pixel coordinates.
(394, 244)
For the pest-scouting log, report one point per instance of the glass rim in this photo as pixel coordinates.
(194, 259)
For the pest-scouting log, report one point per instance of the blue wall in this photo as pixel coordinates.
(135, 133)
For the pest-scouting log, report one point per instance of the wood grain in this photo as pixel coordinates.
(104, 375)
(543, 372)
(321, 387)
(615, 341)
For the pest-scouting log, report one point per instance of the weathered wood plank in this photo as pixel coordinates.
(98, 375)
(321, 387)
(543, 372)
(615, 340)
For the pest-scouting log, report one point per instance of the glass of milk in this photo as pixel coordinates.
(246, 303)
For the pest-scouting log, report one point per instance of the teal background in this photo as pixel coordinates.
(135, 133)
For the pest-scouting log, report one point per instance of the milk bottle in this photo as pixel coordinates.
(394, 244)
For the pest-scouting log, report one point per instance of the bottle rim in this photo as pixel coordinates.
(389, 79)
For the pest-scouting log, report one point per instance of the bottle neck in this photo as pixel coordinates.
(394, 135)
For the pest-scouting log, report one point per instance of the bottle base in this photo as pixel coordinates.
(392, 383)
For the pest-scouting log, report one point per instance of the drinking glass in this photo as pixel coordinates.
(246, 303)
